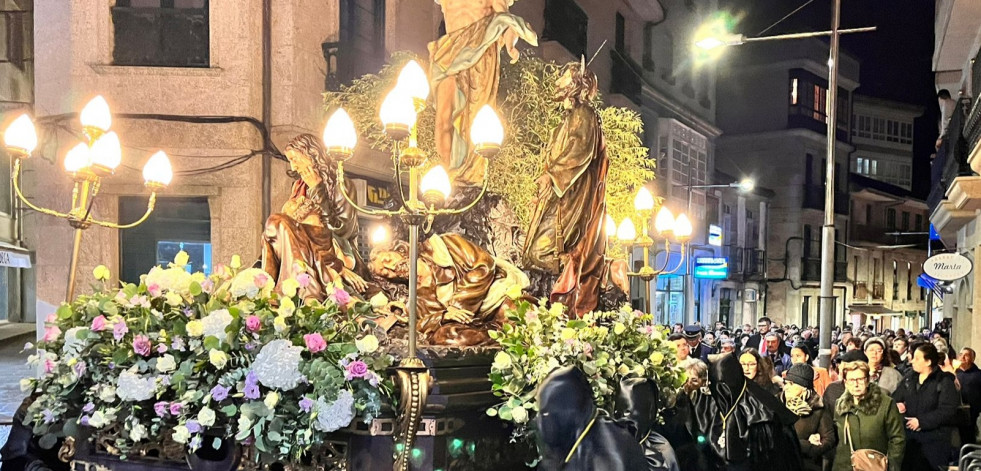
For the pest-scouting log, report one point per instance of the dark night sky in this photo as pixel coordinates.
(896, 59)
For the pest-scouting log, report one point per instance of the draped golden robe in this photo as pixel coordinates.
(465, 277)
(466, 70)
(567, 235)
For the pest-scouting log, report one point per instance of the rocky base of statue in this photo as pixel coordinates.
(490, 223)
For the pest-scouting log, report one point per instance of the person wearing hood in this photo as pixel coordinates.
(929, 401)
(866, 418)
(574, 434)
(636, 405)
(815, 426)
(744, 427)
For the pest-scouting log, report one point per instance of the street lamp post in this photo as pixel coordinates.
(688, 288)
(708, 40)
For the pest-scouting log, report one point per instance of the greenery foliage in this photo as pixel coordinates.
(607, 346)
(186, 357)
(530, 114)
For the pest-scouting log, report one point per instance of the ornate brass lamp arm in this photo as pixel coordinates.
(469, 206)
(359, 208)
(681, 260)
(149, 209)
(20, 195)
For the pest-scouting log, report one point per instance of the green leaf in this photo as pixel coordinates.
(211, 342)
(64, 312)
(195, 289)
(217, 443)
(48, 441)
(229, 410)
(120, 355)
(492, 412)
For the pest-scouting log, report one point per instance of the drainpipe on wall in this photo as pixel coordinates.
(266, 106)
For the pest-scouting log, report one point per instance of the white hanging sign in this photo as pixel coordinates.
(947, 266)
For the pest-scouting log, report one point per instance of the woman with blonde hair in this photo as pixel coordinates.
(867, 419)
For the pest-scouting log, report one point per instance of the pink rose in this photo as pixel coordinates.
(303, 279)
(315, 342)
(99, 324)
(49, 365)
(355, 369)
(51, 333)
(340, 297)
(141, 345)
(154, 290)
(175, 408)
(254, 324)
(260, 280)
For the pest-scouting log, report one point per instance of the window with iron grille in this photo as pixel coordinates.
(161, 33)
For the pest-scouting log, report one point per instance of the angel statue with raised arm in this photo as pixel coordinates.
(466, 70)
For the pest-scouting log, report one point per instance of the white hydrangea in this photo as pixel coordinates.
(335, 415)
(175, 279)
(250, 283)
(216, 322)
(72, 343)
(278, 365)
(133, 387)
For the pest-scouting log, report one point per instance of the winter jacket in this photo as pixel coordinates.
(889, 379)
(874, 423)
(935, 404)
(819, 421)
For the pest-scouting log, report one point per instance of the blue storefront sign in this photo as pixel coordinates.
(711, 268)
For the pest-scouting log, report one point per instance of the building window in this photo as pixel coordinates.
(919, 223)
(566, 23)
(361, 49)
(905, 220)
(687, 165)
(808, 98)
(179, 223)
(648, 57)
(161, 33)
(868, 214)
(895, 281)
(891, 218)
(620, 43)
(909, 281)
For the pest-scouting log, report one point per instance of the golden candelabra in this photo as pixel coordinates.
(398, 113)
(668, 228)
(88, 163)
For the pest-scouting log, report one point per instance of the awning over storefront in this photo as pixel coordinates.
(13, 256)
(938, 287)
(871, 309)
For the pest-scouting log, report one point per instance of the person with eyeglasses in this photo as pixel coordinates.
(928, 399)
(866, 418)
(759, 369)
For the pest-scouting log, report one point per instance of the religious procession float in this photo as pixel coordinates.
(502, 268)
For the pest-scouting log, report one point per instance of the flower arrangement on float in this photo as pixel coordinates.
(187, 357)
(607, 346)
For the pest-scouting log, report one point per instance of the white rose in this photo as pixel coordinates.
(368, 344)
(107, 394)
(181, 434)
(519, 414)
(166, 363)
(173, 298)
(502, 361)
(206, 417)
(98, 420)
(26, 384)
(137, 433)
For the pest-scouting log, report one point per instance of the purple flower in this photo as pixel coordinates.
(159, 408)
(195, 442)
(141, 345)
(162, 348)
(188, 312)
(251, 386)
(80, 369)
(355, 369)
(175, 408)
(88, 408)
(306, 404)
(177, 343)
(219, 393)
(48, 416)
(373, 381)
(84, 421)
(112, 365)
(165, 380)
(193, 426)
(250, 346)
(120, 329)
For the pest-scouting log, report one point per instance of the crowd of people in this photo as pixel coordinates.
(906, 398)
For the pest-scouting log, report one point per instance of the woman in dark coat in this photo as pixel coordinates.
(815, 426)
(758, 369)
(873, 420)
(928, 399)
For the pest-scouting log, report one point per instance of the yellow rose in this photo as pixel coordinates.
(619, 328)
(367, 344)
(502, 361)
(236, 262)
(519, 414)
(638, 370)
(279, 323)
(290, 286)
(174, 299)
(657, 358)
(514, 291)
(286, 307)
(623, 370)
(101, 273)
(195, 328)
(271, 399)
(568, 334)
(217, 358)
(181, 259)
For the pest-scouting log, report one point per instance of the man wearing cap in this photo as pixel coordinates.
(698, 349)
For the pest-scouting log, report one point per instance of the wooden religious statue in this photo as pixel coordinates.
(567, 236)
(465, 73)
(317, 231)
(461, 288)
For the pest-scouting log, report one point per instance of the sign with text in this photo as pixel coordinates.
(711, 268)
(947, 266)
(715, 235)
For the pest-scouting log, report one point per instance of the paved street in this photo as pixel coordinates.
(12, 368)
